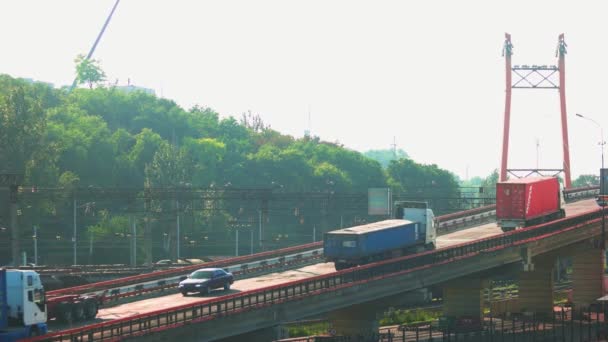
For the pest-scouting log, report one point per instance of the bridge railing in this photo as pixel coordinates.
(581, 192)
(250, 300)
(103, 285)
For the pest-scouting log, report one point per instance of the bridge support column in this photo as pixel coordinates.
(464, 297)
(356, 320)
(587, 276)
(536, 287)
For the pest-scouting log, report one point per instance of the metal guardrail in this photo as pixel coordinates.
(251, 300)
(239, 269)
(167, 274)
(479, 216)
(466, 213)
(582, 192)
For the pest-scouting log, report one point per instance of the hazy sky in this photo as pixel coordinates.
(428, 74)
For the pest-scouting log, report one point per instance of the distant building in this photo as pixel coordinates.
(132, 88)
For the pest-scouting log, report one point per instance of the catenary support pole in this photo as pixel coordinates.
(562, 101)
(74, 236)
(507, 52)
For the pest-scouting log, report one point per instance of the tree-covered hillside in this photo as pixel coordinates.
(110, 154)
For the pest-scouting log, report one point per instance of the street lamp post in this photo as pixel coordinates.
(601, 203)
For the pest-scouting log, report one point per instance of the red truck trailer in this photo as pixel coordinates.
(527, 201)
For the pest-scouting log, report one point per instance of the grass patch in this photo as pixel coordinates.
(308, 329)
(392, 316)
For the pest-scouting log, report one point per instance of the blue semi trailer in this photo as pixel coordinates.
(412, 230)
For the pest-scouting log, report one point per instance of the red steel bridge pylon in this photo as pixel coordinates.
(535, 77)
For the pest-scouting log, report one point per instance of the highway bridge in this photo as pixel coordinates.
(463, 262)
(292, 284)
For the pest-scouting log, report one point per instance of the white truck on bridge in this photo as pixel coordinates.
(22, 305)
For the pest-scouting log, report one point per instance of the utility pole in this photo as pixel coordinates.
(178, 240)
(236, 244)
(537, 152)
(260, 226)
(74, 234)
(147, 230)
(13, 180)
(601, 200)
(13, 189)
(35, 236)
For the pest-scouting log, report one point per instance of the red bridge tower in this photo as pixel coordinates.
(535, 77)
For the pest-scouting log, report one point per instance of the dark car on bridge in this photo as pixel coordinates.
(206, 279)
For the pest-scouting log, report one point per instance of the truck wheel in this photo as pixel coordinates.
(226, 286)
(78, 312)
(34, 331)
(65, 314)
(90, 309)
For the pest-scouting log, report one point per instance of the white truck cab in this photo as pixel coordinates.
(24, 304)
(419, 212)
(26, 297)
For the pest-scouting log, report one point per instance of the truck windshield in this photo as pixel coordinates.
(202, 275)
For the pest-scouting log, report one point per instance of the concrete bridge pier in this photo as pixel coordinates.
(536, 286)
(587, 276)
(355, 320)
(464, 297)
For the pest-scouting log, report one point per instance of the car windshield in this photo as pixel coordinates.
(202, 275)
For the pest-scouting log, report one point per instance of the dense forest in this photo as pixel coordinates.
(123, 168)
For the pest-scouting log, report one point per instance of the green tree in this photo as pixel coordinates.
(586, 180)
(206, 156)
(88, 71)
(22, 129)
(384, 157)
(411, 180)
(147, 142)
(289, 168)
(170, 167)
(489, 184)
